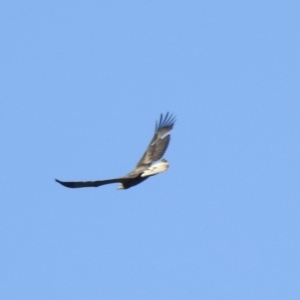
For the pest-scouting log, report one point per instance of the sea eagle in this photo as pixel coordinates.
(145, 167)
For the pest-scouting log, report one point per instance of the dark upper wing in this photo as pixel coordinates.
(160, 140)
(80, 184)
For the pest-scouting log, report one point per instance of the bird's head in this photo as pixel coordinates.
(121, 186)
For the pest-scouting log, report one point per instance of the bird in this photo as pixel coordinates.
(149, 165)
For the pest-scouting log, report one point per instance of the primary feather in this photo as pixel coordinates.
(81, 184)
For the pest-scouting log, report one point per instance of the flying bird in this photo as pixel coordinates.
(147, 166)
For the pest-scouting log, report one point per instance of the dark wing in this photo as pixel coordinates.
(81, 184)
(159, 142)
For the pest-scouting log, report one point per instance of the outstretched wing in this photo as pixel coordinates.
(81, 184)
(159, 142)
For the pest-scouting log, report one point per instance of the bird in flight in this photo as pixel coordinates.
(147, 166)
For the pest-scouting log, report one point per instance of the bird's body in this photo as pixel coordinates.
(144, 169)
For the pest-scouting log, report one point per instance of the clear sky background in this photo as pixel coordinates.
(82, 84)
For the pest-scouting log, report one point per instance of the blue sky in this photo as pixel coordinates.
(82, 84)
